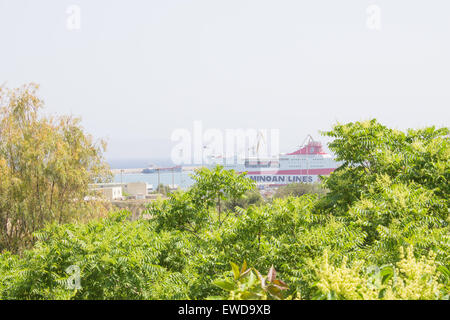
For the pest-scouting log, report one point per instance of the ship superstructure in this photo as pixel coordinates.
(304, 165)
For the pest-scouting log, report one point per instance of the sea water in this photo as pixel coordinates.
(182, 179)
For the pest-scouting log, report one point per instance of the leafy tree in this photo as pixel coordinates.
(46, 165)
(213, 187)
(394, 185)
(190, 211)
(179, 212)
(369, 150)
(163, 189)
(299, 189)
(249, 198)
(117, 259)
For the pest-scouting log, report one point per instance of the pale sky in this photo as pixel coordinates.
(137, 70)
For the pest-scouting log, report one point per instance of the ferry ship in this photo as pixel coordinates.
(304, 165)
(154, 169)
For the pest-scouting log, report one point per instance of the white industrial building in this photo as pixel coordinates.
(110, 193)
(117, 191)
(138, 189)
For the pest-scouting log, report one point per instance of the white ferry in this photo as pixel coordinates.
(304, 165)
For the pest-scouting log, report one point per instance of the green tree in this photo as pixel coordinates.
(369, 150)
(178, 213)
(392, 184)
(46, 165)
(163, 189)
(250, 197)
(116, 258)
(191, 210)
(213, 187)
(299, 189)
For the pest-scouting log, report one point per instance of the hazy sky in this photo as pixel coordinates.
(137, 70)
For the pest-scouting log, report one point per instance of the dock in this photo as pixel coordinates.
(139, 170)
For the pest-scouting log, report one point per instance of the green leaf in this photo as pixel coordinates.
(386, 274)
(244, 267)
(236, 272)
(215, 298)
(225, 285)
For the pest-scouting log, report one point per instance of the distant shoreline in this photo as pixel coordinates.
(139, 170)
(127, 171)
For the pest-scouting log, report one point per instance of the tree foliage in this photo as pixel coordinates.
(409, 279)
(213, 187)
(390, 194)
(46, 164)
(203, 202)
(299, 189)
(394, 185)
(117, 259)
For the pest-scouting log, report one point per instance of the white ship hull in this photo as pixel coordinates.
(305, 165)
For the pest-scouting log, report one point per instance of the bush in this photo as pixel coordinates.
(117, 259)
(409, 279)
(299, 189)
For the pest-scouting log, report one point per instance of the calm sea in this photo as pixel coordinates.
(182, 179)
(139, 163)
